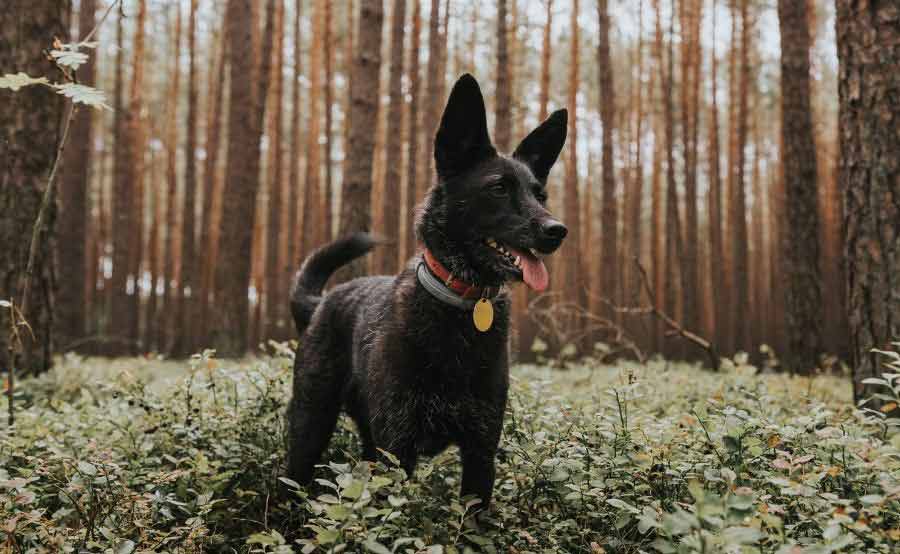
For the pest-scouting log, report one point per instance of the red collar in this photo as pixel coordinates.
(460, 287)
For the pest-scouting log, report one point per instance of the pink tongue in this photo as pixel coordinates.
(534, 272)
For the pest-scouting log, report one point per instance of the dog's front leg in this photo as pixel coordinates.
(478, 474)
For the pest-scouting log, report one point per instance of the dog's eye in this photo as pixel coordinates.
(540, 195)
(498, 190)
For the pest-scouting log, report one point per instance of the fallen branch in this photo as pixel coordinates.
(675, 328)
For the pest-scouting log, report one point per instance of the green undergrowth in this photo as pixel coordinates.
(141, 455)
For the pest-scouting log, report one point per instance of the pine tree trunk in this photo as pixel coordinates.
(128, 210)
(433, 100)
(689, 89)
(868, 39)
(171, 300)
(544, 98)
(714, 206)
(738, 201)
(71, 301)
(503, 93)
(414, 131)
(801, 264)
(312, 214)
(212, 184)
(572, 284)
(232, 271)
(30, 128)
(609, 209)
(188, 289)
(294, 186)
(275, 299)
(357, 188)
(390, 258)
(328, 192)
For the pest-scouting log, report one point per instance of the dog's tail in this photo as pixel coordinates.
(318, 267)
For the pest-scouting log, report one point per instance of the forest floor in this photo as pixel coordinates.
(144, 455)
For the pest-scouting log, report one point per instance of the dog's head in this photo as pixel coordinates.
(486, 218)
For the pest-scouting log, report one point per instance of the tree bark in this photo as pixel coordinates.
(503, 99)
(30, 128)
(714, 207)
(801, 264)
(609, 210)
(357, 188)
(212, 184)
(868, 40)
(313, 218)
(390, 258)
(275, 299)
(188, 286)
(232, 272)
(572, 284)
(544, 98)
(72, 305)
(414, 131)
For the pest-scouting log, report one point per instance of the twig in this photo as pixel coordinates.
(675, 329)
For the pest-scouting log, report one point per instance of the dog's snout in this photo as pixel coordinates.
(554, 230)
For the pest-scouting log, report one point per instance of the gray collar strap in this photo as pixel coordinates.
(437, 289)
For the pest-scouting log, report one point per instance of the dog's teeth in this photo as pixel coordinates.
(518, 260)
(492, 243)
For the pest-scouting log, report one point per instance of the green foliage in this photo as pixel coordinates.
(66, 57)
(151, 456)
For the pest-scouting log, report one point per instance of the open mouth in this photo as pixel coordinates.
(524, 263)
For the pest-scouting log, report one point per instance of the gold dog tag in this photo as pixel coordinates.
(483, 315)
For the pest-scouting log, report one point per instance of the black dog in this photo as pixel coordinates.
(403, 355)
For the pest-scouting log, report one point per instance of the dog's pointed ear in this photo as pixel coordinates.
(542, 146)
(462, 139)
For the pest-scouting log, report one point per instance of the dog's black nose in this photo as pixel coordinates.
(554, 230)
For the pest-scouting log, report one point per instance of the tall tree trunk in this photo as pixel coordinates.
(714, 206)
(212, 184)
(275, 298)
(544, 98)
(657, 226)
(690, 39)
(328, 193)
(414, 131)
(433, 99)
(129, 201)
(312, 215)
(738, 201)
(232, 277)
(674, 280)
(391, 258)
(801, 264)
(572, 285)
(74, 204)
(172, 259)
(357, 188)
(502, 108)
(295, 194)
(188, 289)
(609, 220)
(868, 39)
(30, 128)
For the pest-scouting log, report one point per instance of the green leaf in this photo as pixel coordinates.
(82, 94)
(376, 547)
(87, 469)
(19, 80)
(290, 482)
(69, 58)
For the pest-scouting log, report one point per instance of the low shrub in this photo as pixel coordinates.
(149, 456)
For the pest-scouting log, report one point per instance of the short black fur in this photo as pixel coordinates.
(412, 372)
